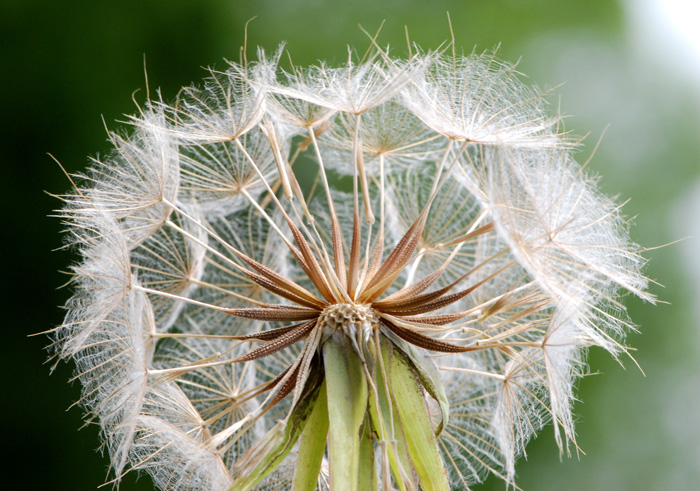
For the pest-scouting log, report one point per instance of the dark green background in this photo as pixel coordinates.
(65, 65)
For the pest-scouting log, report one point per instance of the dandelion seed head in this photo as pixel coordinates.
(447, 235)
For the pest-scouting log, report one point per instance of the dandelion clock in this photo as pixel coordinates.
(382, 275)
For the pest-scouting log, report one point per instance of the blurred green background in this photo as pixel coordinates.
(66, 65)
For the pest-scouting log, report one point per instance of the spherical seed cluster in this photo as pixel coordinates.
(483, 257)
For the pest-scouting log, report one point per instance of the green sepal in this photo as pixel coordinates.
(421, 442)
(383, 413)
(259, 461)
(429, 376)
(367, 474)
(312, 444)
(346, 385)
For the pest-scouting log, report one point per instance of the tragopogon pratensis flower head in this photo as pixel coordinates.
(406, 316)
